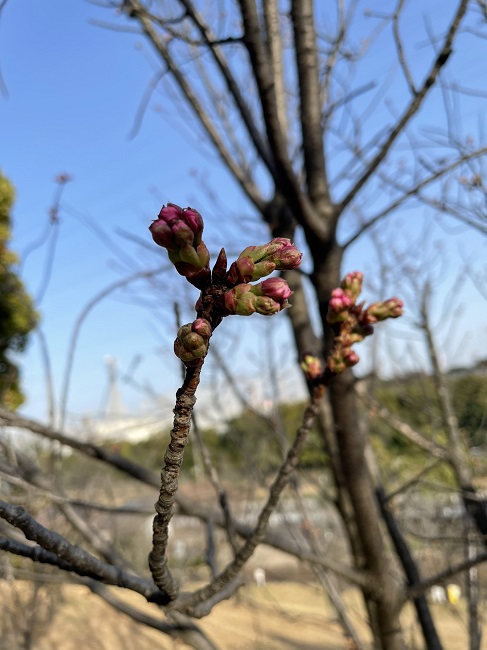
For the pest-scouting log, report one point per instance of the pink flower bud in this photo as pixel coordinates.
(311, 366)
(287, 256)
(338, 306)
(192, 341)
(241, 271)
(266, 306)
(276, 288)
(175, 228)
(202, 327)
(350, 357)
(280, 251)
(341, 359)
(247, 299)
(352, 284)
(392, 308)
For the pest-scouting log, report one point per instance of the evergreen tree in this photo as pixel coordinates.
(17, 314)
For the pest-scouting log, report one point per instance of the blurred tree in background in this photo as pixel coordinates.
(17, 314)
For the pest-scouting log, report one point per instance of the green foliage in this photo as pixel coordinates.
(470, 404)
(252, 441)
(17, 314)
(415, 401)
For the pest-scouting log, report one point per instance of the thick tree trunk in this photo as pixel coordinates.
(385, 596)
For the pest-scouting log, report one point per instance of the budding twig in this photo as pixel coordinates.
(222, 294)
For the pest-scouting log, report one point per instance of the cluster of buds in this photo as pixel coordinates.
(180, 232)
(192, 341)
(266, 298)
(352, 322)
(223, 292)
(256, 262)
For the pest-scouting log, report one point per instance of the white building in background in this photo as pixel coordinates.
(114, 422)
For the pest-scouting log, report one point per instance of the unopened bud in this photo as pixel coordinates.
(256, 262)
(350, 357)
(175, 227)
(180, 231)
(275, 288)
(219, 272)
(352, 284)
(191, 344)
(266, 298)
(311, 366)
(341, 359)
(392, 308)
(338, 306)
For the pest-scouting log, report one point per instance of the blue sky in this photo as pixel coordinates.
(73, 94)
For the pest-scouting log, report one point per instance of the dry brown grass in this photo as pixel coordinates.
(281, 616)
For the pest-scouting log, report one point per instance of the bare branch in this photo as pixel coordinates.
(246, 183)
(186, 505)
(75, 558)
(445, 575)
(232, 85)
(79, 322)
(185, 400)
(408, 432)
(414, 191)
(274, 45)
(217, 586)
(302, 15)
(286, 180)
(413, 106)
(400, 49)
(145, 102)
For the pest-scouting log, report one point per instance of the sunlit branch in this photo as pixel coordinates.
(413, 106)
(229, 574)
(286, 179)
(232, 85)
(65, 555)
(302, 15)
(247, 185)
(414, 191)
(400, 48)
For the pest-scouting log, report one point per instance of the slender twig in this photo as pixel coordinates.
(400, 48)
(79, 322)
(413, 435)
(185, 401)
(414, 105)
(222, 581)
(445, 575)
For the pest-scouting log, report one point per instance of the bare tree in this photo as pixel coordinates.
(271, 86)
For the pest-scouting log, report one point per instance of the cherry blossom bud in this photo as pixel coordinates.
(242, 301)
(191, 344)
(276, 288)
(352, 284)
(266, 298)
(311, 366)
(175, 227)
(392, 308)
(338, 306)
(350, 357)
(256, 262)
(179, 231)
